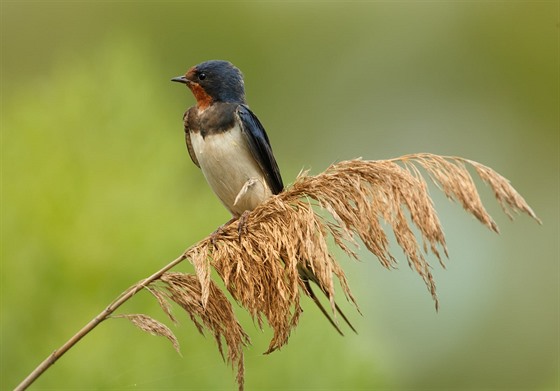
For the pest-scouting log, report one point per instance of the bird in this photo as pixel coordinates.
(226, 140)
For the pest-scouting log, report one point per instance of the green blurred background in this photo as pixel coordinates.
(98, 190)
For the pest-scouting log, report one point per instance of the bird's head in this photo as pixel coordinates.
(214, 81)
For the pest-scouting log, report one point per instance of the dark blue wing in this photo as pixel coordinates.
(260, 147)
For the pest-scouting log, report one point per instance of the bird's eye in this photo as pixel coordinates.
(201, 76)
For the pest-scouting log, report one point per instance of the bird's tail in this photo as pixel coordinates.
(306, 276)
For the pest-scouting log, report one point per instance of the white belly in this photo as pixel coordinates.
(230, 170)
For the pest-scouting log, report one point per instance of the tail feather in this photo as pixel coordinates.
(344, 317)
(324, 311)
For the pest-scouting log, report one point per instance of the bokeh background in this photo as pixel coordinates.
(98, 190)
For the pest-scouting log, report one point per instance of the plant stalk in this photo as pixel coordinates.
(103, 315)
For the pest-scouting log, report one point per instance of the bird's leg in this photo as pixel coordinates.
(241, 227)
(214, 235)
(242, 224)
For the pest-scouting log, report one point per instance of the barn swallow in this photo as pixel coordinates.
(226, 140)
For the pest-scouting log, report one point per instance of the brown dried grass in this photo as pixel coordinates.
(267, 256)
(216, 315)
(287, 237)
(152, 326)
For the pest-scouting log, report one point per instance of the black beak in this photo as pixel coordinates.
(181, 79)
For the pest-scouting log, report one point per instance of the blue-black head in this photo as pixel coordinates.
(214, 81)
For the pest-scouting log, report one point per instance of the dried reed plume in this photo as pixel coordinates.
(261, 261)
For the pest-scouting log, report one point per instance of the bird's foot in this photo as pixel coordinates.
(241, 227)
(242, 224)
(214, 236)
